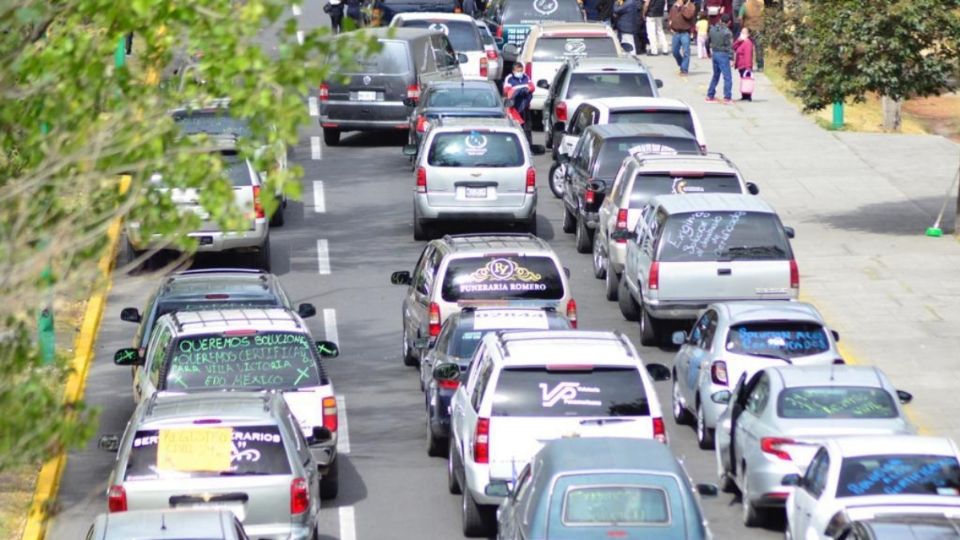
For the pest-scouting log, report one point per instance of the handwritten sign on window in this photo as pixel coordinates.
(195, 449)
(894, 475)
(704, 233)
(836, 402)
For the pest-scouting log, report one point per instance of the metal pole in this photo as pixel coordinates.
(837, 114)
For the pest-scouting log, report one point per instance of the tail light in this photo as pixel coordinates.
(492, 54)
(483, 66)
(421, 180)
(434, 319)
(299, 496)
(324, 92)
(117, 499)
(562, 111)
(718, 372)
(330, 420)
(653, 280)
(413, 92)
(531, 180)
(794, 274)
(659, 430)
(622, 223)
(481, 441)
(448, 384)
(421, 123)
(772, 446)
(257, 204)
(500, 32)
(528, 69)
(572, 312)
(589, 195)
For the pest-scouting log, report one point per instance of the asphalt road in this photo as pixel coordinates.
(337, 250)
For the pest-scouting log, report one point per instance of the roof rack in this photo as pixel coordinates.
(196, 271)
(244, 317)
(486, 240)
(643, 156)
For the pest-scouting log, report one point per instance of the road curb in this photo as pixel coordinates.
(48, 481)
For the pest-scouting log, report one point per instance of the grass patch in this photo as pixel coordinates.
(16, 494)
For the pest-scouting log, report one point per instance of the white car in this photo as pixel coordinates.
(527, 388)
(854, 478)
(462, 32)
(494, 61)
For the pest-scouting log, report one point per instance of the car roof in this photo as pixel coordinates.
(560, 29)
(569, 454)
(685, 162)
(433, 16)
(463, 83)
(892, 444)
(168, 523)
(386, 33)
(739, 312)
(634, 102)
(607, 63)
(607, 131)
(237, 284)
(487, 243)
(566, 348)
(711, 202)
(465, 123)
(228, 407)
(207, 321)
(829, 375)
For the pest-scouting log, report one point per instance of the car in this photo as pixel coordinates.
(603, 488)
(494, 60)
(512, 20)
(863, 477)
(209, 288)
(460, 271)
(643, 176)
(167, 524)
(386, 87)
(241, 452)
(734, 339)
(593, 165)
(461, 30)
(525, 388)
(776, 418)
(247, 185)
(265, 349)
(898, 526)
(580, 79)
(473, 169)
(461, 99)
(389, 9)
(692, 250)
(458, 339)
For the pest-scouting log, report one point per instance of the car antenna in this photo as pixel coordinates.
(831, 370)
(163, 522)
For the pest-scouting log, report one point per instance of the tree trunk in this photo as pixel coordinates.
(891, 114)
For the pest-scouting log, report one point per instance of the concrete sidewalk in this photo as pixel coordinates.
(860, 204)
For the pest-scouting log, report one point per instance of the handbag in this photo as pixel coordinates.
(747, 83)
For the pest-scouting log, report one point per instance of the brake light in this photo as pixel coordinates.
(299, 496)
(492, 54)
(324, 92)
(481, 441)
(572, 312)
(622, 223)
(330, 420)
(447, 384)
(772, 446)
(528, 69)
(413, 92)
(659, 430)
(499, 32)
(589, 196)
(718, 372)
(531, 180)
(421, 180)
(562, 111)
(653, 280)
(421, 123)
(434, 319)
(483, 66)
(257, 204)
(240, 332)
(117, 499)
(794, 274)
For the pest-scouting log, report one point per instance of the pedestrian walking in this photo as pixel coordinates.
(737, 22)
(743, 62)
(334, 9)
(591, 10)
(751, 16)
(682, 17)
(625, 21)
(605, 11)
(653, 18)
(353, 11)
(720, 51)
(702, 28)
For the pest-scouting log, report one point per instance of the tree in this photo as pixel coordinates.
(846, 49)
(72, 123)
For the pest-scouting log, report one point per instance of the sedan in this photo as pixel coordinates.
(461, 99)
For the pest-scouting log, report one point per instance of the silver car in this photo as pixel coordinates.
(161, 524)
(476, 169)
(731, 339)
(240, 451)
(778, 418)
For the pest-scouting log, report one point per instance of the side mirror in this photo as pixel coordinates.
(790, 232)
(446, 372)
(462, 58)
(678, 337)
(401, 278)
(659, 83)
(904, 396)
(621, 234)
(658, 372)
(538, 149)
(563, 158)
(327, 349)
(409, 102)
(708, 490)
(306, 310)
(752, 188)
(410, 150)
(566, 271)
(835, 334)
(423, 343)
(130, 314)
(110, 443)
(497, 489)
(320, 434)
(790, 480)
(510, 52)
(542, 83)
(626, 47)
(127, 357)
(721, 398)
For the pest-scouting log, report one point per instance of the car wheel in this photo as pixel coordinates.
(648, 329)
(409, 359)
(420, 229)
(436, 446)
(748, 511)
(628, 306)
(261, 258)
(599, 268)
(331, 136)
(476, 520)
(557, 170)
(704, 434)
(569, 220)
(680, 413)
(330, 482)
(727, 485)
(453, 484)
(612, 285)
(584, 237)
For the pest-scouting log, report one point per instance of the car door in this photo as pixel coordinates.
(640, 252)
(448, 66)
(748, 440)
(724, 426)
(147, 379)
(550, 118)
(306, 459)
(586, 117)
(577, 172)
(510, 518)
(807, 495)
(463, 411)
(737, 406)
(416, 303)
(688, 359)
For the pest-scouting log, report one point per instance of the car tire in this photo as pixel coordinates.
(584, 237)
(277, 219)
(453, 484)
(261, 258)
(748, 511)
(531, 224)
(477, 520)
(330, 482)
(649, 335)
(680, 413)
(704, 434)
(331, 136)
(436, 446)
(555, 178)
(409, 359)
(569, 221)
(612, 285)
(536, 121)
(421, 231)
(628, 306)
(599, 268)
(727, 485)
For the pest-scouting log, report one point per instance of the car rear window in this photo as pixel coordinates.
(476, 149)
(602, 85)
(616, 505)
(266, 360)
(463, 35)
(862, 476)
(535, 11)
(202, 304)
(646, 186)
(557, 49)
(391, 59)
(816, 402)
(711, 236)
(226, 451)
(468, 334)
(779, 338)
(502, 278)
(614, 151)
(601, 391)
(214, 123)
(681, 119)
(463, 97)
(236, 169)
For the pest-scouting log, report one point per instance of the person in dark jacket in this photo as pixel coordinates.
(334, 9)
(353, 11)
(720, 50)
(605, 10)
(625, 18)
(591, 10)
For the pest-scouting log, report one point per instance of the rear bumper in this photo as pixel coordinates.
(765, 483)
(475, 213)
(616, 256)
(279, 532)
(360, 116)
(674, 310)
(476, 479)
(211, 241)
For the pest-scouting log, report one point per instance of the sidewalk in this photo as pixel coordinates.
(860, 204)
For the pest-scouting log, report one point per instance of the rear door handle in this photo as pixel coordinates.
(724, 271)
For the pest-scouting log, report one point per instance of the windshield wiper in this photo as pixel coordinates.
(773, 355)
(736, 251)
(604, 421)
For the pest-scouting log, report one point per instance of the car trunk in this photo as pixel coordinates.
(307, 407)
(482, 187)
(715, 281)
(809, 435)
(187, 202)
(369, 97)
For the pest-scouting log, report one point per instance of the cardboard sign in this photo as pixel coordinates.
(195, 450)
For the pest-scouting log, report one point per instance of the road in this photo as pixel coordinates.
(337, 250)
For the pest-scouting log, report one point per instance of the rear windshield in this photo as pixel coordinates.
(237, 169)
(392, 59)
(267, 360)
(476, 149)
(602, 85)
(207, 452)
(646, 186)
(681, 119)
(556, 49)
(784, 338)
(214, 123)
(467, 336)
(603, 391)
(614, 151)
(463, 35)
(507, 277)
(463, 97)
(711, 236)
(534, 11)
(835, 402)
(896, 474)
(616, 505)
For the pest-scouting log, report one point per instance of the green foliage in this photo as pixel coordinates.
(846, 49)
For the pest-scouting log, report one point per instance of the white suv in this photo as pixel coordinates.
(525, 388)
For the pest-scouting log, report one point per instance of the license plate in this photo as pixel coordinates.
(366, 95)
(476, 192)
(206, 240)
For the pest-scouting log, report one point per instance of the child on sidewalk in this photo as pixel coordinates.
(743, 62)
(702, 28)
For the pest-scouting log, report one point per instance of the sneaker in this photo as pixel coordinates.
(727, 101)
(712, 100)
(683, 73)
(665, 53)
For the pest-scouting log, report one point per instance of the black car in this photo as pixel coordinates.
(893, 526)
(446, 363)
(461, 99)
(594, 162)
(215, 288)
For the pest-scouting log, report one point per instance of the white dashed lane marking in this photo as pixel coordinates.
(348, 526)
(313, 107)
(330, 326)
(316, 149)
(319, 200)
(343, 431)
(296, 10)
(323, 259)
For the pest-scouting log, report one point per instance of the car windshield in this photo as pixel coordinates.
(467, 336)
(265, 360)
(815, 402)
(392, 59)
(557, 49)
(779, 338)
(210, 451)
(463, 97)
(599, 391)
(535, 11)
(614, 150)
(646, 186)
(476, 149)
(899, 474)
(615, 506)
(463, 35)
(681, 119)
(213, 123)
(602, 85)
(502, 278)
(712, 236)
